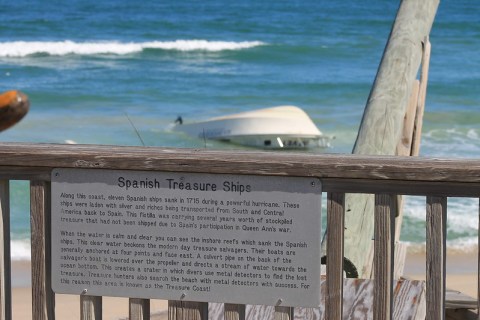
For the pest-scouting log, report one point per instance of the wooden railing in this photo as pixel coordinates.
(436, 179)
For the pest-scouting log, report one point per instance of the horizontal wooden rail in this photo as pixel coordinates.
(343, 173)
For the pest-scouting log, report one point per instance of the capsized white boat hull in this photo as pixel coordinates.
(277, 127)
(279, 141)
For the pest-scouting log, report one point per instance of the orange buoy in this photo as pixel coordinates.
(14, 106)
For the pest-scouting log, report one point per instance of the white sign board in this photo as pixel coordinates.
(185, 236)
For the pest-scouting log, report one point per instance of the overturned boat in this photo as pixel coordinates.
(277, 127)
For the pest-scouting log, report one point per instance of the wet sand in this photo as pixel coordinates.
(461, 269)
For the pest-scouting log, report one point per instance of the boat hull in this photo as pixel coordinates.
(276, 128)
(280, 141)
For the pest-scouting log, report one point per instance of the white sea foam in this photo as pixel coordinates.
(462, 213)
(462, 223)
(473, 134)
(60, 48)
(20, 250)
(451, 142)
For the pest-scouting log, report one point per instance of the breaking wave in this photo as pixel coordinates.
(20, 250)
(451, 142)
(67, 47)
(462, 224)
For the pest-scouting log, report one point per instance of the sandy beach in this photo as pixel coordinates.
(68, 306)
(461, 276)
(461, 270)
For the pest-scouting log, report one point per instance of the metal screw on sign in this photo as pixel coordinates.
(84, 291)
(313, 183)
(279, 302)
(183, 296)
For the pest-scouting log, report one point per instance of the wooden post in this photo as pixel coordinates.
(436, 257)
(283, 313)
(186, 310)
(43, 304)
(139, 309)
(383, 257)
(381, 124)
(5, 267)
(234, 311)
(382, 121)
(90, 308)
(336, 226)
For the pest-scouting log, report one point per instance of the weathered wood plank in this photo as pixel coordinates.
(254, 312)
(444, 180)
(15, 156)
(336, 226)
(43, 303)
(283, 313)
(139, 309)
(383, 256)
(175, 310)
(216, 311)
(408, 300)
(404, 148)
(25, 173)
(404, 145)
(400, 254)
(382, 122)
(306, 313)
(5, 266)
(422, 95)
(436, 254)
(234, 311)
(399, 261)
(409, 144)
(408, 297)
(186, 310)
(90, 308)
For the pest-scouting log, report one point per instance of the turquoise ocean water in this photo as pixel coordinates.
(85, 64)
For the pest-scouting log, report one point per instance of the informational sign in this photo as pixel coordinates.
(185, 236)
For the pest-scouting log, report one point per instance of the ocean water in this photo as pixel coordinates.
(87, 65)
